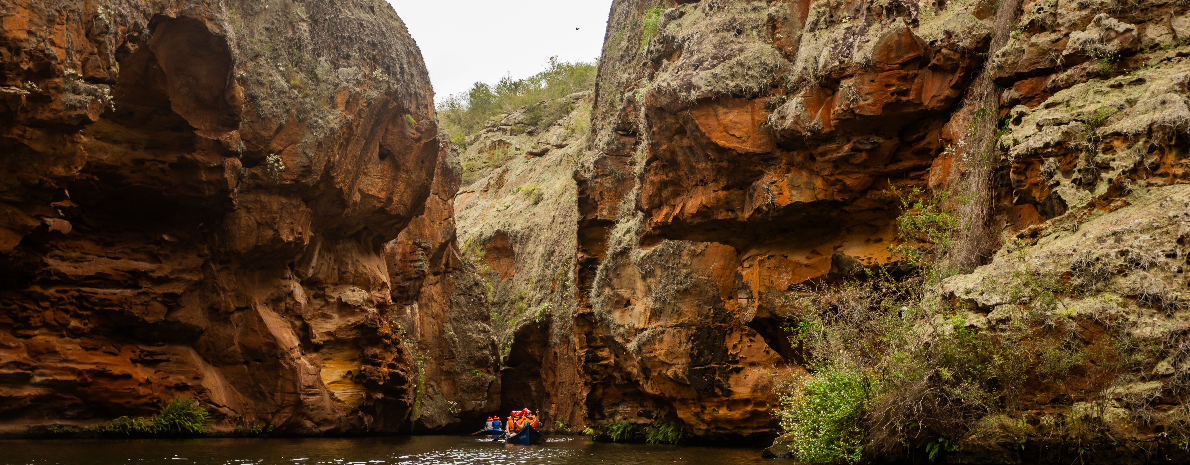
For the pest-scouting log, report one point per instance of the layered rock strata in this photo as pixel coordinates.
(196, 200)
(740, 149)
(248, 203)
(743, 148)
(441, 306)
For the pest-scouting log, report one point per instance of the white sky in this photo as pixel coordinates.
(465, 41)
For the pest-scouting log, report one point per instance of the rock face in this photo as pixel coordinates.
(441, 307)
(518, 224)
(739, 149)
(248, 203)
(1097, 107)
(742, 148)
(196, 200)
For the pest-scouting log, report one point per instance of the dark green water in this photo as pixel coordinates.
(363, 451)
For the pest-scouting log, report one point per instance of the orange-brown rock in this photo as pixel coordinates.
(442, 310)
(762, 137)
(195, 201)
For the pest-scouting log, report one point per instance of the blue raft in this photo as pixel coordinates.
(526, 437)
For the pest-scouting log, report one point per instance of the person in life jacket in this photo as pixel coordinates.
(530, 418)
(514, 422)
(488, 426)
(524, 419)
(496, 424)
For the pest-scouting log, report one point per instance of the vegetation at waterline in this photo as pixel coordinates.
(467, 113)
(660, 431)
(623, 432)
(824, 415)
(180, 417)
(664, 432)
(899, 369)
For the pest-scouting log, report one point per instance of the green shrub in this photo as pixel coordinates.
(1106, 66)
(1097, 119)
(467, 113)
(664, 432)
(823, 416)
(923, 217)
(499, 156)
(460, 141)
(254, 430)
(623, 432)
(471, 169)
(581, 122)
(531, 192)
(56, 429)
(650, 22)
(940, 445)
(545, 114)
(925, 229)
(180, 417)
(274, 164)
(126, 426)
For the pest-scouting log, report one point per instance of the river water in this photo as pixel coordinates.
(455, 450)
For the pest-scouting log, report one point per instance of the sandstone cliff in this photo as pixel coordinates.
(742, 148)
(441, 307)
(249, 203)
(196, 200)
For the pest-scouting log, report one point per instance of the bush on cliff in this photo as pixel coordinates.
(467, 113)
(894, 367)
(824, 415)
(946, 375)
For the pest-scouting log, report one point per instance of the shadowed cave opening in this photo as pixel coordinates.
(172, 89)
(521, 384)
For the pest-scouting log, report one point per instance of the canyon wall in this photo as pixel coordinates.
(740, 149)
(250, 203)
(197, 198)
(518, 224)
(441, 306)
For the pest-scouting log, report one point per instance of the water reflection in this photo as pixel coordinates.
(433, 450)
